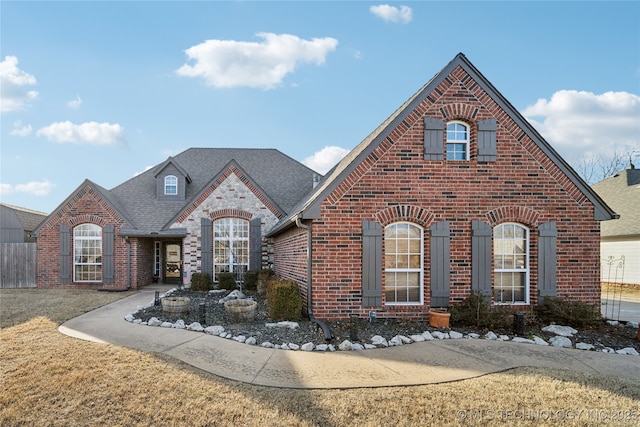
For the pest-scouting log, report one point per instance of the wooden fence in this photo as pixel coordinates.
(17, 265)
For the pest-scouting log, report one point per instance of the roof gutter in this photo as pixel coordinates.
(325, 328)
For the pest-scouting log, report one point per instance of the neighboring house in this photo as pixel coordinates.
(17, 224)
(205, 209)
(622, 237)
(454, 193)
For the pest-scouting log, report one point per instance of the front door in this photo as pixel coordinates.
(172, 263)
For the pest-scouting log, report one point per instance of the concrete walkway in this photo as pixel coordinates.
(414, 364)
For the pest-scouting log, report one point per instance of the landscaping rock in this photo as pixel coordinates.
(491, 336)
(455, 335)
(560, 341)
(565, 331)
(584, 346)
(628, 350)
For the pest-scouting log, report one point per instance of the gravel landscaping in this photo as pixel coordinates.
(362, 333)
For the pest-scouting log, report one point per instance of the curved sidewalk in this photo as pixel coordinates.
(414, 364)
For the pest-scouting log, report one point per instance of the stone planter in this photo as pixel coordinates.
(175, 305)
(439, 318)
(240, 310)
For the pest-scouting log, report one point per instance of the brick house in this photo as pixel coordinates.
(454, 193)
(206, 209)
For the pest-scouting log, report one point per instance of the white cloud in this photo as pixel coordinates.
(322, 161)
(92, 133)
(19, 130)
(36, 188)
(145, 169)
(13, 80)
(230, 63)
(584, 124)
(75, 103)
(402, 15)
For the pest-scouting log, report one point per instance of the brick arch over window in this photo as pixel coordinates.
(459, 111)
(410, 213)
(230, 213)
(521, 214)
(86, 219)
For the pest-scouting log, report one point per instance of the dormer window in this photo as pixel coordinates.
(170, 185)
(457, 141)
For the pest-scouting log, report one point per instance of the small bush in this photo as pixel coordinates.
(578, 314)
(264, 277)
(250, 281)
(283, 300)
(200, 282)
(226, 281)
(475, 311)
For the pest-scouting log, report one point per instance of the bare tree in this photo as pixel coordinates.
(595, 168)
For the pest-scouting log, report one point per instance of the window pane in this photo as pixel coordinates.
(511, 263)
(403, 255)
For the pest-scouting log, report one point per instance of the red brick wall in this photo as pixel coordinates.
(290, 258)
(522, 186)
(85, 207)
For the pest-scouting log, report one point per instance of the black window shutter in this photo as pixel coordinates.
(65, 255)
(481, 238)
(255, 244)
(433, 139)
(371, 264)
(547, 234)
(206, 250)
(487, 140)
(440, 264)
(107, 257)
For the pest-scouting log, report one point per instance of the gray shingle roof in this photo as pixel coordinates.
(284, 180)
(622, 193)
(29, 218)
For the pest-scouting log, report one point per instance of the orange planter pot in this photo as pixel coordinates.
(439, 319)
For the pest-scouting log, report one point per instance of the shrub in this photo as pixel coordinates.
(568, 312)
(475, 311)
(264, 277)
(226, 281)
(250, 280)
(200, 282)
(283, 300)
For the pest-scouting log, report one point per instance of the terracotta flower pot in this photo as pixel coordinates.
(439, 319)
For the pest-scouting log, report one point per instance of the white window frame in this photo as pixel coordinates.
(454, 140)
(389, 254)
(87, 253)
(171, 182)
(231, 246)
(505, 261)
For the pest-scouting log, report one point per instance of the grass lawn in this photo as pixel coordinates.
(49, 379)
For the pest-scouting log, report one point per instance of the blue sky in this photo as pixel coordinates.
(104, 90)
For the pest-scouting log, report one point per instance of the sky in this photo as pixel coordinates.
(105, 90)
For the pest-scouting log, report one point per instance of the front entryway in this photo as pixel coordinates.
(172, 263)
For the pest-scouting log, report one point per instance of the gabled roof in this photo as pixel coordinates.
(622, 193)
(102, 192)
(28, 218)
(282, 179)
(309, 207)
(230, 168)
(171, 161)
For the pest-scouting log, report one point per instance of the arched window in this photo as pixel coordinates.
(511, 264)
(231, 246)
(87, 253)
(403, 261)
(170, 185)
(457, 141)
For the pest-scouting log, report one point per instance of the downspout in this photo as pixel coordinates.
(325, 328)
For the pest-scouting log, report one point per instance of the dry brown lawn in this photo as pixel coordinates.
(49, 379)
